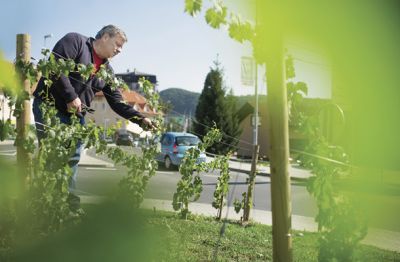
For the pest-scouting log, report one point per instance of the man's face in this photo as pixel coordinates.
(112, 46)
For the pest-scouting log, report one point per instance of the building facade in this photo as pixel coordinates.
(104, 116)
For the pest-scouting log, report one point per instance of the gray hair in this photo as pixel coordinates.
(111, 30)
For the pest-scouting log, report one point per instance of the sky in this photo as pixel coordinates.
(162, 40)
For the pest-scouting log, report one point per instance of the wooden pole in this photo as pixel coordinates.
(278, 132)
(24, 118)
(252, 178)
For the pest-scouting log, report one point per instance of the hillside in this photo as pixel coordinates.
(182, 101)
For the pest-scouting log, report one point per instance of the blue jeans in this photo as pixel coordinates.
(74, 160)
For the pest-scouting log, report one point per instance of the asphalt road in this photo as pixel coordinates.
(103, 181)
(96, 181)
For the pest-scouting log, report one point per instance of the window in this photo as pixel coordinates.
(166, 140)
(104, 106)
(187, 141)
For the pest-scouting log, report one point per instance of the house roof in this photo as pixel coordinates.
(133, 98)
(133, 77)
(244, 111)
(129, 96)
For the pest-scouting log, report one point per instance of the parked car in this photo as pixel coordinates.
(174, 146)
(123, 139)
(136, 142)
(106, 138)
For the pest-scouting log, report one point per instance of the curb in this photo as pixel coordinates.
(89, 161)
(298, 179)
(381, 238)
(95, 165)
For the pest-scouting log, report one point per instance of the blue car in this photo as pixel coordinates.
(174, 146)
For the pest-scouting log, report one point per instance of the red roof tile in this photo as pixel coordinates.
(129, 96)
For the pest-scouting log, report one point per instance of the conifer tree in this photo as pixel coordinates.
(215, 106)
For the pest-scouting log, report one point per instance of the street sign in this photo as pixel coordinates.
(247, 71)
(254, 121)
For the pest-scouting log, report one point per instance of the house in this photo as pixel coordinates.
(132, 79)
(310, 106)
(245, 115)
(106, 117)
(6, 111)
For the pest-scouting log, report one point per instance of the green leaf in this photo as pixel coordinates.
(216, 16)
(239, 30)
(193, 7)
(290, 72)
(45, 52)
(301, 87)
(82, 68)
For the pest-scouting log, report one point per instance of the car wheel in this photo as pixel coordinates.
(168, 163)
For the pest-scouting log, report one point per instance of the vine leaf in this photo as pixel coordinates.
(193, 7)
(216, 15)
(240, 30)
(7, 76)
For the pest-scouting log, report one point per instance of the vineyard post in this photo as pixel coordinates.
(273, 32)
(24, 118)
(279, 158)
(252, 178)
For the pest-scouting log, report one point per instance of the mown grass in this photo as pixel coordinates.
(199, 239)
(113, 233)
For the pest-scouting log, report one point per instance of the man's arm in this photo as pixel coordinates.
(116, 102)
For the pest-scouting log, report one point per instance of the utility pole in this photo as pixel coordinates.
(24, 118)
(45, 38)
(255, 128)
(256, 147)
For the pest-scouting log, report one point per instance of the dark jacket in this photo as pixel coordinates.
(65, 89)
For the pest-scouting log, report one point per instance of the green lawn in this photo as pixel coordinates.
(111, 233)
(198, 239)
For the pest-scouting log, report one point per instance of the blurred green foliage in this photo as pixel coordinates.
(112, 232)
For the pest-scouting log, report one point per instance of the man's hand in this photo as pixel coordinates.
(148, 124)
(75, 105)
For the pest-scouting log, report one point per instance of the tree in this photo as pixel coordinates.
(232, 125)
(215, 106)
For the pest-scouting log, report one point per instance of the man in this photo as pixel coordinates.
(73, 94)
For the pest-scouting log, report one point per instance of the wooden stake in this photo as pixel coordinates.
(24, 119)
(279, 154)
(252, 178)
(273, 29)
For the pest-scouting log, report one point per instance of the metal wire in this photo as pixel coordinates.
(321, 157)
(193, 119)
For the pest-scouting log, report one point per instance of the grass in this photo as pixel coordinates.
(198, 239)
(113, 233)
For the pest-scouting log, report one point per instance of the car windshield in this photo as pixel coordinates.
(187, 141)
